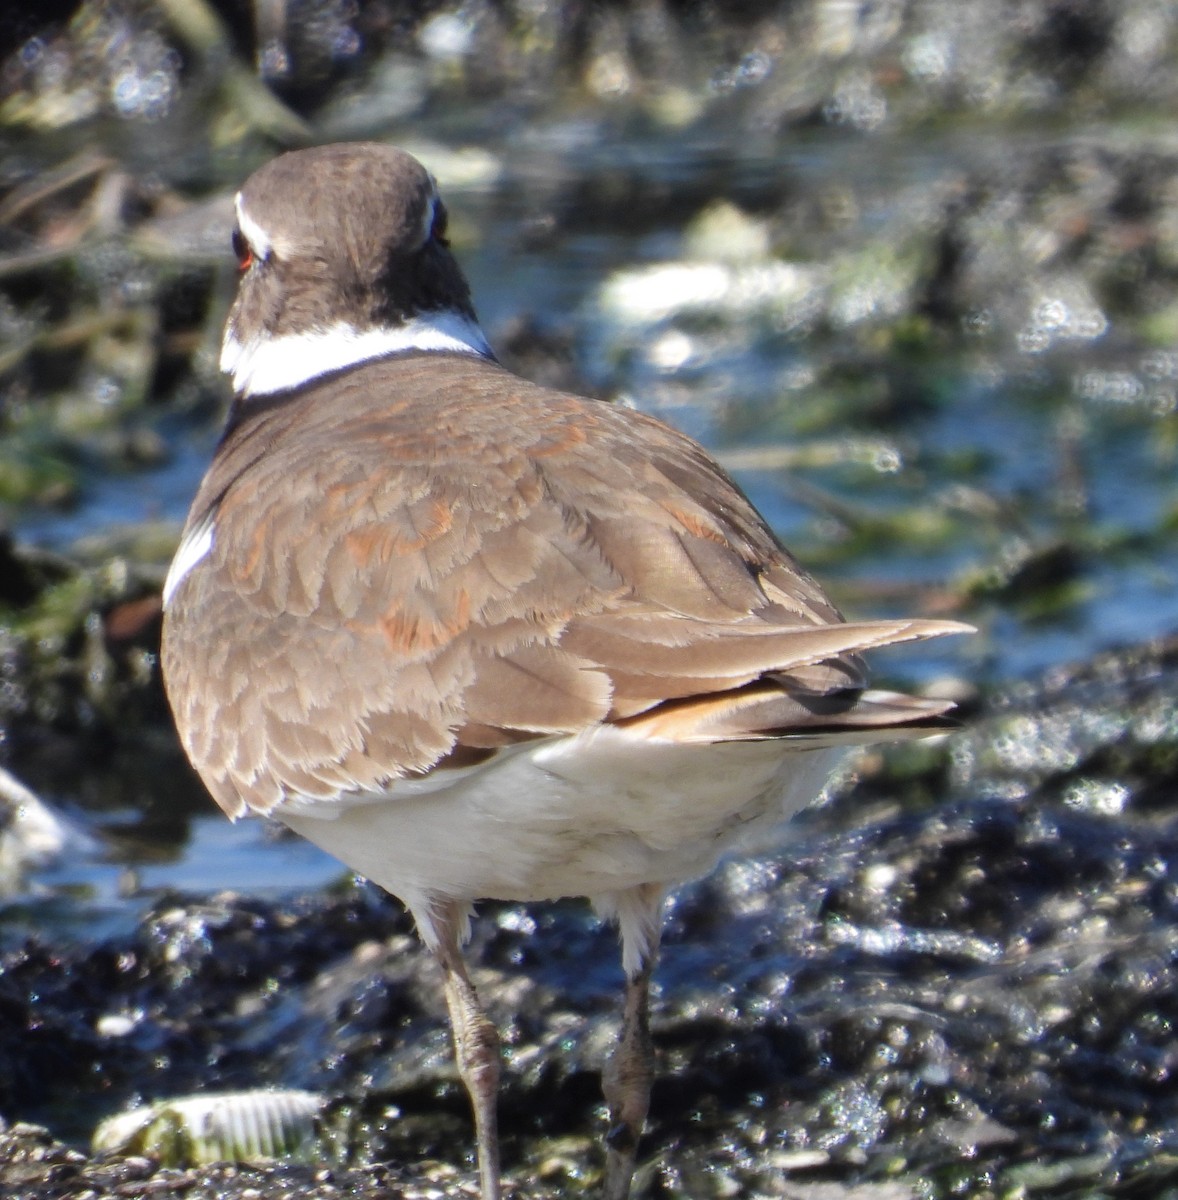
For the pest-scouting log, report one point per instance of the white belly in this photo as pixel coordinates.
(590, 815)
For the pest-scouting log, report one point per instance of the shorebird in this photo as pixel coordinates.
(477, 638)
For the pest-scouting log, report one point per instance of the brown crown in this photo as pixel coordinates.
(355, 233)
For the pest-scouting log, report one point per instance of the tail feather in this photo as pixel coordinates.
(763, 710)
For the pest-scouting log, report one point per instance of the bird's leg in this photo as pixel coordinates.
(476, 1047)
(627, 1081)
(629, 1073)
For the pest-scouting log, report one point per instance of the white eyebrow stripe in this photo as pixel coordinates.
(269, 364)
(257, 237)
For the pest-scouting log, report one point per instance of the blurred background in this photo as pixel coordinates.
(906, 266)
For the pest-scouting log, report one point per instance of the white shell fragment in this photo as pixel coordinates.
(241, 1127)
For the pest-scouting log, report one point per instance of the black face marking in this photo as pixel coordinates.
(437, 231)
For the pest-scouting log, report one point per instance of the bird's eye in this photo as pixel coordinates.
(243, 250)
(437, 231)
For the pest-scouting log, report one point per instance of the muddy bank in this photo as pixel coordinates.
(972, 997)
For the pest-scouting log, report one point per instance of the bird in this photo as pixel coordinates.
(478, 638)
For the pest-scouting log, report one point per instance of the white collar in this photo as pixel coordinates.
(267, 365)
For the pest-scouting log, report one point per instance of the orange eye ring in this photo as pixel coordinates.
(243, 251)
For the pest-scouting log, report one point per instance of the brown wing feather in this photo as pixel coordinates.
(473, 566)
